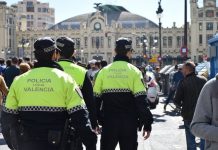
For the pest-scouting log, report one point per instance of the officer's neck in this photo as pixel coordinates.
(49, 64)
(66, 59)
(121, 58)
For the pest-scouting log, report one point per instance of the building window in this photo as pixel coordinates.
(10, 43)
(200, 15)
(93, 42)
(209, 26)
(39, 9)
(109, 42)
(10, 31)
(164, 41)
(10, 21)
(200, 39)
(178, 41)
(44, 10)
(200, 26)
(138, 41)
(217, 25)
(209, 13)
(216, 14)
(86, 42)
(170, 41)
(102, 42)
(97, 42)
(77, 43)
(29, 6)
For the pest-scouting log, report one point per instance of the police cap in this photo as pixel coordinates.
(66, 45)
(45, 45)
(123, 44)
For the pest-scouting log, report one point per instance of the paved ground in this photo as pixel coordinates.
(167, 133)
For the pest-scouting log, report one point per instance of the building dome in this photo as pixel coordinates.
(111, 13)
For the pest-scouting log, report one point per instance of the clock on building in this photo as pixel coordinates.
(97, 26)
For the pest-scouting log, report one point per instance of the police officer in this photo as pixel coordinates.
(120, 92)
(66, 45)
(41, 101)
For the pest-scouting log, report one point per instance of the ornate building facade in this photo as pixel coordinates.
(7, 30)
(204, 25)
(95, 35)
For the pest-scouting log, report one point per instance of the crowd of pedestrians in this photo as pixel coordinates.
(57, 103)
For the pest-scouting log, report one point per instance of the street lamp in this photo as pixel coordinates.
(185, 44)
(159, 15)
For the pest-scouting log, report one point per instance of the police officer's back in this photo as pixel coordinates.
(121, 94)
(43, 99)
(66, 45)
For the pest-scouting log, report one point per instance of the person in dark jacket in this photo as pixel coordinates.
(11, 72)
(2, 66)
(120, 96)
(186, 97)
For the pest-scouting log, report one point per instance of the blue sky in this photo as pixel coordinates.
(173, 9)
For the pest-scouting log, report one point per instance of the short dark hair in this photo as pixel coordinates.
(190, 65)
(26, 58)
(103, 63)
(20, 60)
(2, 61)
(14, 60)
(43, 57)
(8, 62)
